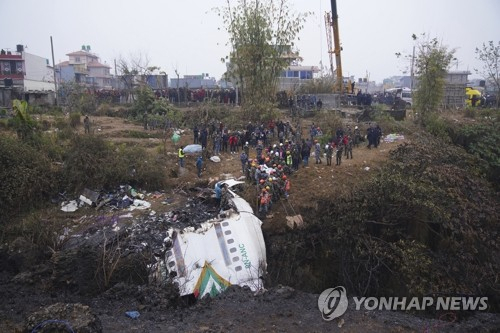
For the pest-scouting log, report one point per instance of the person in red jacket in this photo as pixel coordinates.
(232, 143)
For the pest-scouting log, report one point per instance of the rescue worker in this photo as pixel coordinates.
(246, 148)
(348, 148)
(329, 154)
(199, 165)
(244, 161)
(339, 152)
(218, 193)
(180, 154)
(317, 152)
(370, 135)
(264, 201)
(224, 201)
(86, 124)
(289, 158)
(196, 134)
(378, 135)
(357, 136)
(286, 186)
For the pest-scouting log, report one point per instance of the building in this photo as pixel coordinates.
(454, 90)
(202, 81)
(295, 76)
(25, 76)
(85, 68)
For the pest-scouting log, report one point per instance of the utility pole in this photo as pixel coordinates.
(412, 65)
(54, 68)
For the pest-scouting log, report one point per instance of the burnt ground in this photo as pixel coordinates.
(277, 309)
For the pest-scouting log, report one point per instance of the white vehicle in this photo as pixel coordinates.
(226, 250)
(404, 94)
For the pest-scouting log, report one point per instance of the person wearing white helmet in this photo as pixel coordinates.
(246, 148)
(329, 154)
(357, 136)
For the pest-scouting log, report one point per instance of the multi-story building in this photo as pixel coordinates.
(25, 76)
(194, 82)
(84, 67)
(296, 75)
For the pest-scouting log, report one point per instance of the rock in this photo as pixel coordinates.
(64, 317)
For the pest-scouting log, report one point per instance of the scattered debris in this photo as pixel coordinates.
(57, 318)
(93, 196)
(70, 206)
(86, 200)
(132, 314)
(215, 159)
(294, 221)
(139, 204)
(393, 137)
(367, 168)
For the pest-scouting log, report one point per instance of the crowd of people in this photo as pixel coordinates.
(270, 153)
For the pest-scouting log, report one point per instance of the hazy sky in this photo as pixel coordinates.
(188, 36)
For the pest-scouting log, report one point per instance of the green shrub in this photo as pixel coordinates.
(389, 124)
(74, 120)
(26, 176)
(63, 128)
(105, 109)
(436, 125)
(94, 163)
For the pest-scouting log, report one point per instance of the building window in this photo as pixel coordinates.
(305, 75)
(77, 59)
(5, 67)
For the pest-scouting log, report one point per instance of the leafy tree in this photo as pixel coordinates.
(76, 98)
(145, 99)
(431, 66)
(135, 72)
(489, 54)
(262, 34)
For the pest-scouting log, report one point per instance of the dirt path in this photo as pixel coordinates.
(309, 184)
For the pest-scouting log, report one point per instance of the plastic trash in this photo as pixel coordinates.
(132, 314)
(93, 196)
(85, 199)
(70, 206)
(175, 138)
(393, 137)
(139, 204)
(215, 159)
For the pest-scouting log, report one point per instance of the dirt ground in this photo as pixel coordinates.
(325, 180)
(278, 309)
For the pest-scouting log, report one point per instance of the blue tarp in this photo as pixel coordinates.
(193, 149)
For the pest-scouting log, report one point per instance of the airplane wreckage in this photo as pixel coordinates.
(207, 247)
(226, 250)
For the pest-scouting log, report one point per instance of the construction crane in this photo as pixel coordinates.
(332, 23)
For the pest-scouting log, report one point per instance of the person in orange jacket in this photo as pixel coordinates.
(286, 186)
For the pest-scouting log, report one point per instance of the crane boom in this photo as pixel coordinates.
(329, 41)
(337, 49)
